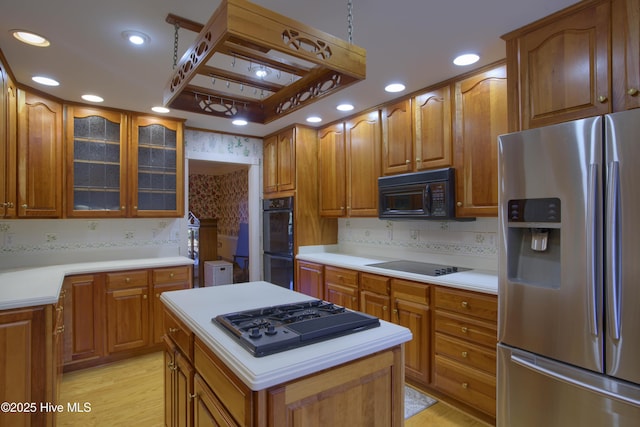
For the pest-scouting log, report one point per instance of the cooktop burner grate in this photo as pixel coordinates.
(418, 267)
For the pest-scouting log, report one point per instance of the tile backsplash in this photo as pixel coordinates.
(40, 242)
(473, 243)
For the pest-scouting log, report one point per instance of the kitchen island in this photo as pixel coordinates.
(355, 379)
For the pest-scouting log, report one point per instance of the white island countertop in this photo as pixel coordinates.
(196, 308)
(30, 287)
(473, 280)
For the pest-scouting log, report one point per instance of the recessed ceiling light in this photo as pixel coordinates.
(136, 37)
(30, 38)
(345, 107)
(92, 98)
(160, 109)
(394, 87)
(314, 119)
(45, 81)
(239, 122)
(466, 59)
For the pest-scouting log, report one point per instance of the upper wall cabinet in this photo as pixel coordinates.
(480, 116)
(559, 67)
(96, 162)
(39, 155)
(157, 167)
(280, 162)
(397, 138)
(332, 171)
(432, 126)
(8, 129)
(625, 33)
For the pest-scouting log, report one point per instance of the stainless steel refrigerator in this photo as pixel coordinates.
(569, 281)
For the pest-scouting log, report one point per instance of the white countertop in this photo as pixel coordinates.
(472, 280)
(28, 287)
(196, 307)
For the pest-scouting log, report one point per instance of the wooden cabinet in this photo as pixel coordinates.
(39, 156)
(156, 167)
(397, 138)
(279, 162)
(179, 387)
(625, 44)
(559, 66)
(332, 171)
(465, 347)
(375, 295)
(84, 318)
(8, 144)
(341, 287)
(480, 117)
(350, 164)
(163, 280)
(433, 129)
(310, 279)
(127, 302)
(96, 161)
(410, 308)
(29, 340)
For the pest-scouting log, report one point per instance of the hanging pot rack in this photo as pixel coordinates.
(307, 64)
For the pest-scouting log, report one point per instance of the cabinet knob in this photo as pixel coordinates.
(395, 310)
(632, 92)
(465, 385)
(407, 161)
(459, 204)
(144, 296)
(127, 279)
(122, 207)
(353, 298)
(384, 307)
(464, 304)
(418, 160)
(24, 206)
(59, 309)
(602, 99)
(464, 329)
(465, 354)
(157, 294)
(193, 395)
(171, 275)
(170, 365)
(173, 330)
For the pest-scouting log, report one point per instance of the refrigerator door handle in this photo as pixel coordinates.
(592, 254)
(554, 374)
(613, 250)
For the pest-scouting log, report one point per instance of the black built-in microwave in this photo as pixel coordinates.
(419, 195)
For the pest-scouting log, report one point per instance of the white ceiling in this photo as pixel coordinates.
(413, 41)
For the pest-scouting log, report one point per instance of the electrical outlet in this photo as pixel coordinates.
(51, 237)
(414, 234)
(128, 235)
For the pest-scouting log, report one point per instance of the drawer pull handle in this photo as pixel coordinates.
(464, 329)
(465, 385)
(173, 330)
(464, 304)
(465, 354)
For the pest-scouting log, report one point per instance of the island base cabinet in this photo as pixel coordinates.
(361, 393)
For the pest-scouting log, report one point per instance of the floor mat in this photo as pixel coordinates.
(415, 401)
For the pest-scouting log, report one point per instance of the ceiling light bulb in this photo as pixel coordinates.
(45, 81)
(160, 109)
(92, 98)
(344, 107)
(314, 119)
(466, 59)
(394, 87)
(30, 38)
(136, 37)
(261, 73)
(239, 122)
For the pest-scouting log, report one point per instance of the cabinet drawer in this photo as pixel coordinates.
(179, 333)
(374, 283)
(126, 279)
(171, 275)
(341, 276)
(468, 303)
(466, 353)
(480, 332)
(410, 291)
(469, 385)
(233, 394)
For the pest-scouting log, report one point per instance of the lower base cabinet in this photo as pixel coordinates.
(365, 392)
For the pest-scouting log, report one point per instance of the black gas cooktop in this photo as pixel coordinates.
(418, 267)
(274, 329)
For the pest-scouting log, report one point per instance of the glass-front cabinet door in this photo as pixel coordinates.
(96, 150)
(158, 162)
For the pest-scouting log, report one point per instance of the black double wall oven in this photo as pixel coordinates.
(277, 216)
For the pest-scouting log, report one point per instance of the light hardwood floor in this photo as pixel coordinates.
(130, 393)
